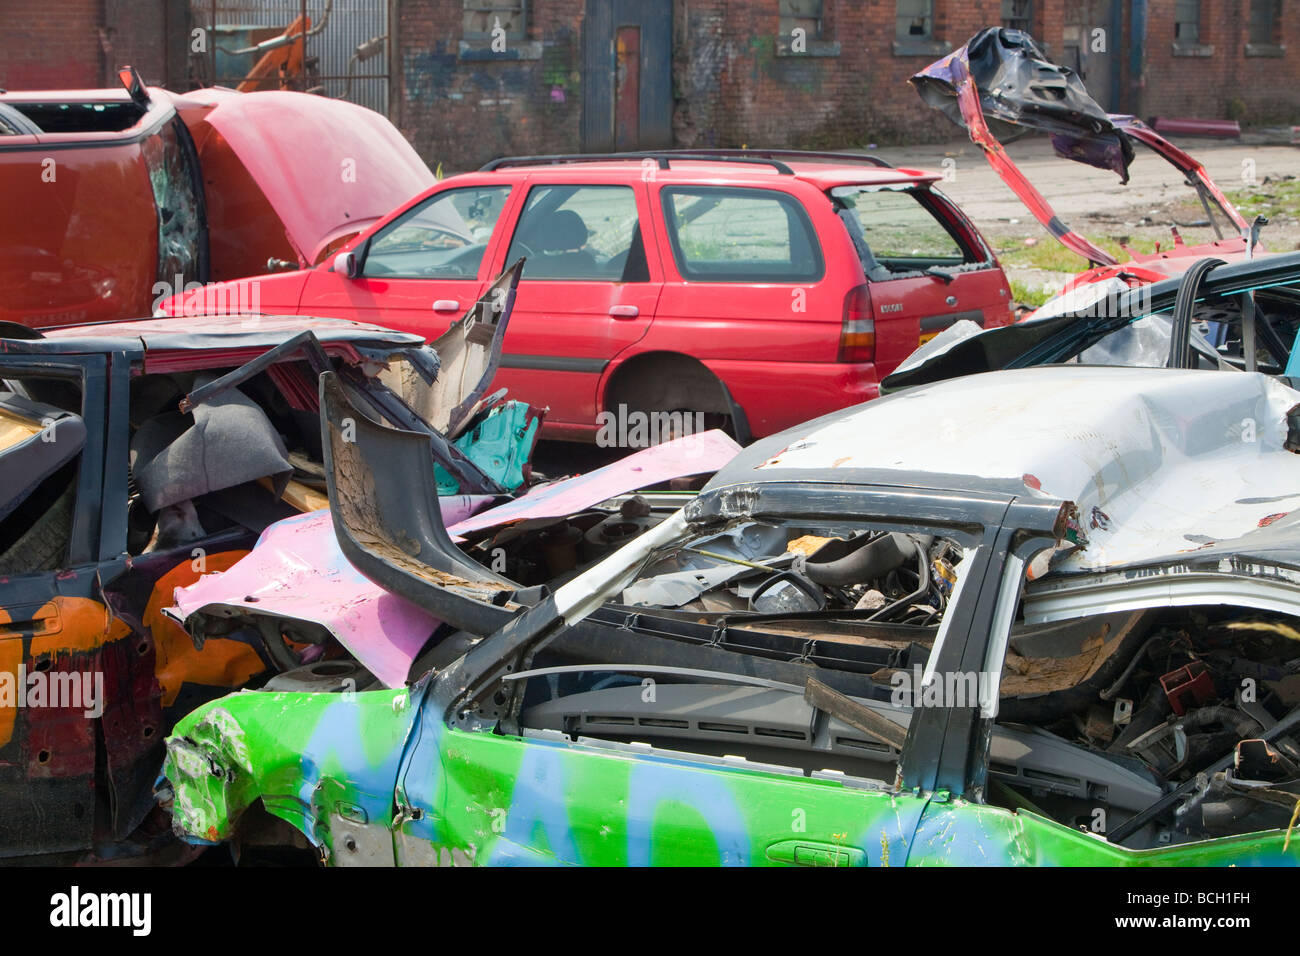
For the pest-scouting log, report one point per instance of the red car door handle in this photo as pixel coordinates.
(624, 311)
(446, 305)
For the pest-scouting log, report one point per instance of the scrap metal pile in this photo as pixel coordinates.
(1039, 603)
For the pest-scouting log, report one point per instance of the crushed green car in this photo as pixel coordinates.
(994, 621)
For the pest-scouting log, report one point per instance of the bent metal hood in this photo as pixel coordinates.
(328, 167)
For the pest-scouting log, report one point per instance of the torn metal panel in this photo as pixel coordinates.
(283, 748)
(999, 85)
(1182, 161)
(384, 505)
(968, 83)
(697, 454)
(297, 571)
(499, 443)
(1019, 90)
(469, 353)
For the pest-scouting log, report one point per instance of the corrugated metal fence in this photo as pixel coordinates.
(347, 58)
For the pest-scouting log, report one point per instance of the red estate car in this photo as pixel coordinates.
(759, 288)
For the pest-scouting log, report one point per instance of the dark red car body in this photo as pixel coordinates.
(113, 197)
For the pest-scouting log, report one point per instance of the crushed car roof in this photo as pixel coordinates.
(204, 332)
(1157, 461)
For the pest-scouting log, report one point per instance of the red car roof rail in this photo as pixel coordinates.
(661, 156)
(788, 154)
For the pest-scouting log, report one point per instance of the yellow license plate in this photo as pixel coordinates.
(927, 336)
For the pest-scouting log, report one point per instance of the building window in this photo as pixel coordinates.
(490, 19)
(805, 15)
(1016, 14)
(1265, 28)
(915, 20)
(1187, 22)
(497, 30)
(803, 29)
(1265, 19)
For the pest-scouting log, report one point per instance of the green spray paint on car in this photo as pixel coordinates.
(338, 765)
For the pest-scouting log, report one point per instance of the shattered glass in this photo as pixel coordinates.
(176, 190)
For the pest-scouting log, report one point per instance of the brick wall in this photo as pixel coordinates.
(79, 44)
(733, 82)
(51, 44)
(1225, 83)
(462, 112)
(135, 36)
(737, 85)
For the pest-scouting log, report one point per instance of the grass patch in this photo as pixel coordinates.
(1049, 255)
(1275, 199)
(1023, 293)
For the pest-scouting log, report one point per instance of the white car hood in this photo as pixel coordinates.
(1158, 461)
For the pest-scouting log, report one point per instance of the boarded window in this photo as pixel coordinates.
(1187, 21)
(1016, 14)
(805, 15)
(488, 19)
(1265, 21)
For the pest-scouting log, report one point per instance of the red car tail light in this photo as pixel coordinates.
(858, 334)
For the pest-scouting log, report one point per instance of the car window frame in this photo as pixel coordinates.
(787, 199)
(969, 541)
(92, 526)
(643, 218)
(974, 254)
(943, 751)
(489, 247)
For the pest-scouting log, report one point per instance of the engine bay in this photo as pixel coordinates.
(1161, 725)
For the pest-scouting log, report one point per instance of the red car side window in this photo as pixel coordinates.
(442, 238)
(580, 232)
(722, 234)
